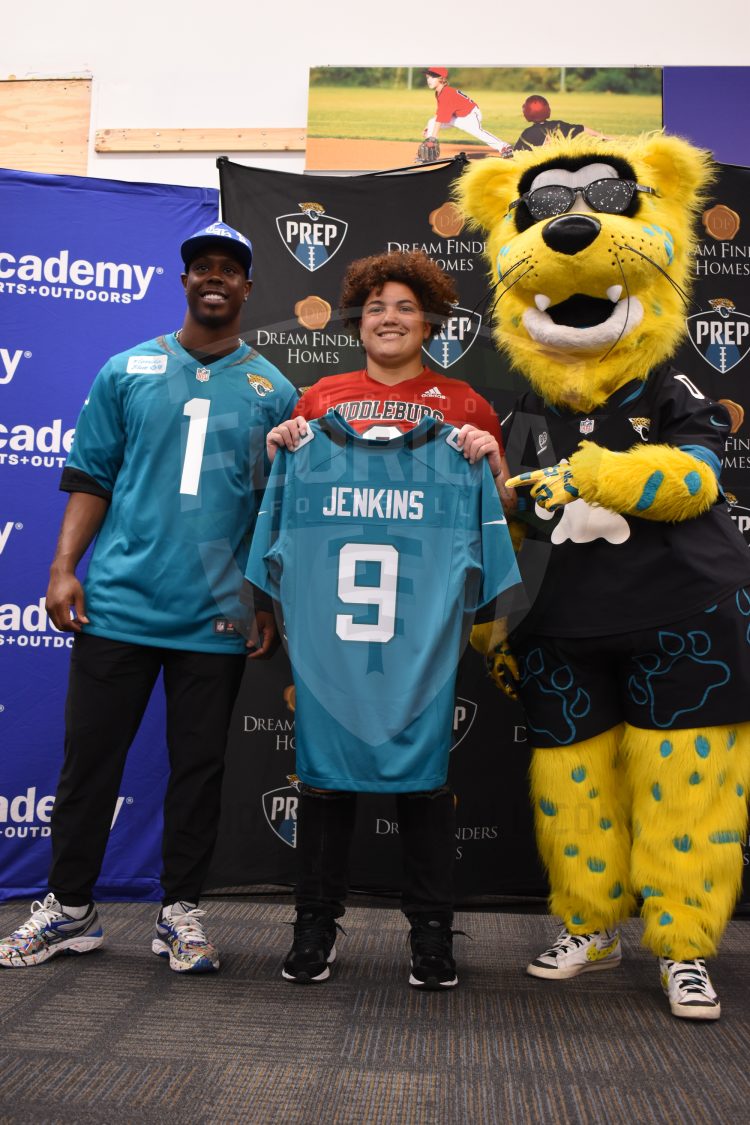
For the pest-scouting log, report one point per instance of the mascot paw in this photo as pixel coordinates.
(491, 640)
(551, 488)
(502, 669)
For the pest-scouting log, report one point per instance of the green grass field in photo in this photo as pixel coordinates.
(400, 115)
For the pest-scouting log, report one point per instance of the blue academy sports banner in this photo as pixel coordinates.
(87, 268)
(305, 231)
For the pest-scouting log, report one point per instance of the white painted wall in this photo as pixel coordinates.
(199, 64)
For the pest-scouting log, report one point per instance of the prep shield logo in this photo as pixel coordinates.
(312, 237)
(464, 714)
(457, 336)
(722, 337)
(280, 810)
(739, 513)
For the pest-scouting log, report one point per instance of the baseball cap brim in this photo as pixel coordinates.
(219, 234)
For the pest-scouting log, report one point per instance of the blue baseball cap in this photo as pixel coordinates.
(234, 243)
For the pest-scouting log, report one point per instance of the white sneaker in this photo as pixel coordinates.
(180, 937)
(689, 990)
(578, 953)
(49, 931)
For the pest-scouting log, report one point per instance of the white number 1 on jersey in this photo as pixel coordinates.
(197, 410)
(382, 595)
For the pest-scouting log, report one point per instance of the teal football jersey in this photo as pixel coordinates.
(379, 552)
(181, 449)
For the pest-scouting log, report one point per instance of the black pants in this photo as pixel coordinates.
(427, 830)
(109, 687)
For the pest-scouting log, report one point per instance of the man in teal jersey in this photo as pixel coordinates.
(166, 472)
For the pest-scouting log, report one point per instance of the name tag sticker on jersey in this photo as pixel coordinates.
(304, 440)
(147, 365)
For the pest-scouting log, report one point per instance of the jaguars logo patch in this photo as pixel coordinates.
(641, 427)
(260, 385)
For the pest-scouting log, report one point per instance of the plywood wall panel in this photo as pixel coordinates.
(44, 125)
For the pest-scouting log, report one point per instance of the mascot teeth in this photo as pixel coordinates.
(625, 317)
(542, 302)
(614, 293)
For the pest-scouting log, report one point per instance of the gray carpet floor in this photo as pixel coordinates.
(116, 1037)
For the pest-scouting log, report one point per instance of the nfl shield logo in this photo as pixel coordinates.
(587, 426)
(464, 714)
(312, 237)
(457, 336)
(203, 374)
(721, 336)
(280, 810)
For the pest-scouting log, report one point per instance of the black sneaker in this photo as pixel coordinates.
(432, 964)
(313, 948)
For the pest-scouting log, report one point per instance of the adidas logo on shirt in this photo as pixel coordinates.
(432, 393)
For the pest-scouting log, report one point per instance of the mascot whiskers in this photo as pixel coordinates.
(631, 662)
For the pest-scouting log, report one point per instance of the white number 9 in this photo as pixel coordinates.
(383, 595)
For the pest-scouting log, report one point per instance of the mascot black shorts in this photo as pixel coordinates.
(691, 673)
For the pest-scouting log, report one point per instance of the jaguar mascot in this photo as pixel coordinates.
(633, 662)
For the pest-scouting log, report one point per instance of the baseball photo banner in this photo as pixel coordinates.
(87, 268)
(361, 118)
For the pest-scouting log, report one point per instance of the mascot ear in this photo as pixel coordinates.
(485, 191)
(675, 168)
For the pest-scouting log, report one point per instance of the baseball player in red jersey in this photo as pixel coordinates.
(456, 109)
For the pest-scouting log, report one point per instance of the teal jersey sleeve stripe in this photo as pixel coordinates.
(707, 456)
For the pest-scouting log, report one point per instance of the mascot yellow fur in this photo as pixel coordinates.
(631, 661)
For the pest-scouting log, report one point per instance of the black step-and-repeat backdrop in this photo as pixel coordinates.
(305, 230)
(95, 264)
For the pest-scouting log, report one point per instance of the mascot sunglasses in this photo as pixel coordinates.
(610, 197)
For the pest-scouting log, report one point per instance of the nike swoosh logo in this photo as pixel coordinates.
(594, 954)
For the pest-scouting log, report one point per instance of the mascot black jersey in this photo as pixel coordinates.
(607, 572)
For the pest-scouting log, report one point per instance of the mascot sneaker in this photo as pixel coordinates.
(689, 990)
(577, 953)
(180, 937)
(48, 931)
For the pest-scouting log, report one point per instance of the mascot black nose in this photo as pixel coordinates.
(571, 233)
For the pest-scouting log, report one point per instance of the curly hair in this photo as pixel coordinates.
(434, 290)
